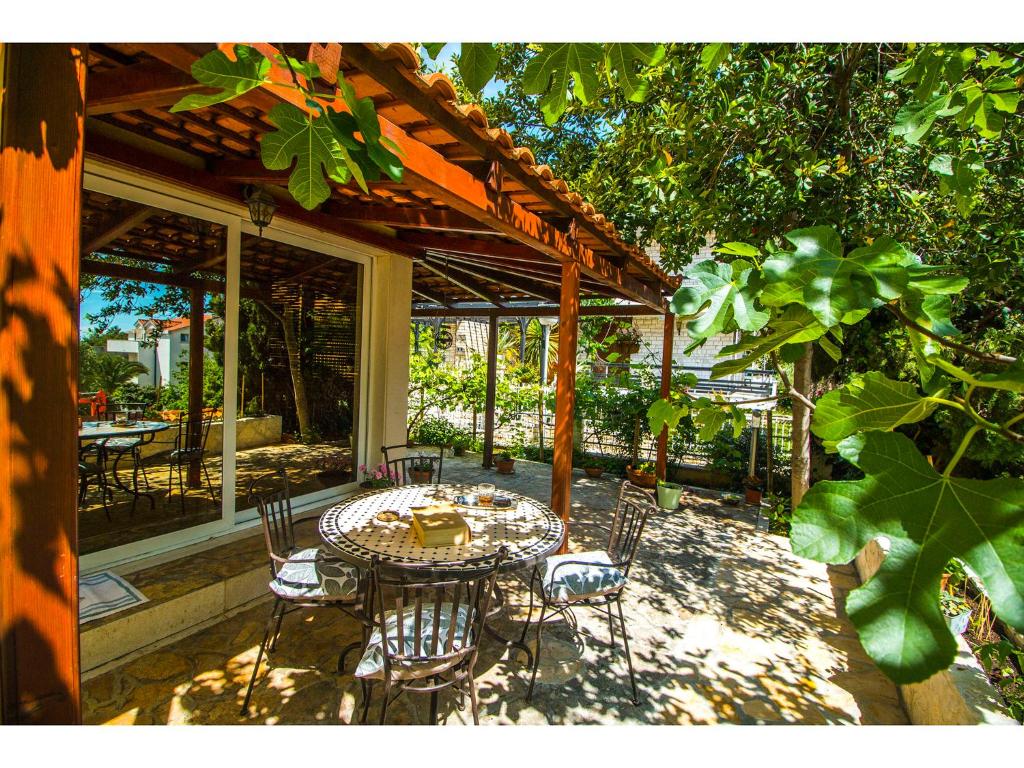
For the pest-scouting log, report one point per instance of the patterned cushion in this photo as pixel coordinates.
(372, 663)
(314, 574)
(121, 443)
(579, 582)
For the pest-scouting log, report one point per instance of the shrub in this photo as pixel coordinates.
(435, 431)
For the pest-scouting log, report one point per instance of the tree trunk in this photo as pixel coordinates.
(800, 464)
(291, 344)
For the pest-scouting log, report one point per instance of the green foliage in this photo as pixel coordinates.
(927, 517)
(435, 431)
(320, 141)
(249, 70)
(723, 294)
(477, 64)
(109, 372)
(871, 402)
(1005, 662)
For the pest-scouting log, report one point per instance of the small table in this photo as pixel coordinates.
(101, 431)
(528, 529)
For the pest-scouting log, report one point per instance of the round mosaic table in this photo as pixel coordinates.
(529, 529)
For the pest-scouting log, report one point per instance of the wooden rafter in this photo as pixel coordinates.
(526, 285)
(126, 222)
(200, 264)
(428, 170)
(512, 310)
(124, 272)
(404, 84)
(419, 218)
(462, 280)
(139, 86)
(419, 291)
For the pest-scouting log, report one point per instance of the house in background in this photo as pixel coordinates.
(160, 345)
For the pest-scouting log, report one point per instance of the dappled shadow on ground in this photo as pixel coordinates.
(726, 625)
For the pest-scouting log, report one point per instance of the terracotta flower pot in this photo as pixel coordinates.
(594, 471)
(752, 495)
(421, 475)
(643, 479)
(504, 466)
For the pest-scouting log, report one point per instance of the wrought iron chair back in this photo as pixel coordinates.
(631, 512)
(409, 598)
(274, 505)
(192, 435)
(401, 466)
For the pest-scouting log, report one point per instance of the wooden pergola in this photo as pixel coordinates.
(485, 227)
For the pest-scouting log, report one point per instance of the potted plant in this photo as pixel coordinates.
(334, 470)
(435, 431)
(421, 469)
(593, 466)
(461, 440)
(957, 612)
(505, 462)
(752, 490)
(643, 474)
(668, 494)
(378, 477)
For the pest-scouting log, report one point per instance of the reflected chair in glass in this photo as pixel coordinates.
(190, 446)
(401, 467)
(595, 579)
(92, 469)
(300, 577)
(116, 447)
(428, 623)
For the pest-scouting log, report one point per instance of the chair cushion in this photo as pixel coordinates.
(313, 574)
(372, 663)
(121, 443)
(594, 578)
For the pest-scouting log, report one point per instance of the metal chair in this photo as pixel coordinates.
(401, 466)
(300, 578)
(595, 579)
(93, 471)
(190, 446)
(428, 625)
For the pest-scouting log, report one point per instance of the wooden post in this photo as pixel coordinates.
(565, 396)
(668, 334)
(196, 331)
(41, 128)
(492, 382)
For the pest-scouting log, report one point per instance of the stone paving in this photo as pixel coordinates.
(726, 626)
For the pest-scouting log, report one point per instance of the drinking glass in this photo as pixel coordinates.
(485, 493)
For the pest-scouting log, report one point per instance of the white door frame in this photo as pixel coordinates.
(107, 178)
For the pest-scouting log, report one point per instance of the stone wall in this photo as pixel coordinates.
(251, 432)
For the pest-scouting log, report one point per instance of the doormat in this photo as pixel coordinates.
(103, 593)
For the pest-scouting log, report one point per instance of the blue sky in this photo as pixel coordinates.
(447, 65)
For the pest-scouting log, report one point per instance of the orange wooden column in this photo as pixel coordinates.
(41, 128)
(196, 355)
(565, 395)
(490, 395)
(666, 388)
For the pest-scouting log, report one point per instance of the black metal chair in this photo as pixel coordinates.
(595, 579)
(403, 466)
(428, 626)
(300, 578)
(92, 469)
(190, 446)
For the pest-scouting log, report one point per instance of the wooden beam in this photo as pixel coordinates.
(429, 296)
(455, 277)
(393, 216)
(137, 159)
(511, 310)
(406, 85)
(667, 337)
(124, 272)
(490, 394)
(565, 396)
(198, 265)
(248, 172)
(41, 130)
(196, 331)
(522, 284)
(129, 220)
(139, 86)
(475, 246)
(427, 170)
